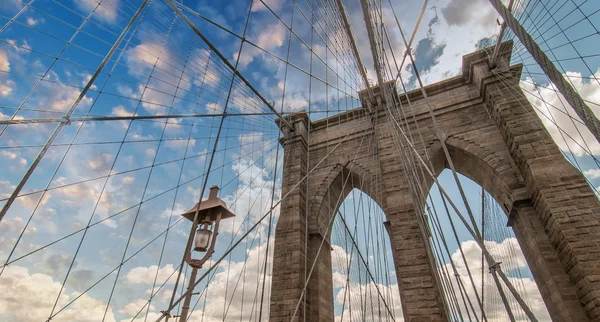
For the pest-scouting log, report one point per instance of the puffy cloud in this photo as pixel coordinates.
(294, 102)
(180, 144)
(215, 108)
(150, 152)
(258, 6)
(32, 21)
(101, 163)
(106, 9)
(270, 37)
(15, 226)
(465, 12)
(358, 25)
(136, 306)
(79, 192)
(552, 108)
(126, 91)
(29, 297)
(6, 86)
(119, 110)
(592, 173)
(23, 48)
(8, 155)
(128, 180)
(58, 96)
(252, 197)
(254, 146)
(427, 52)
(145, 275)
(31, 201)
(339, 258)
(4, 63)
(171, 79)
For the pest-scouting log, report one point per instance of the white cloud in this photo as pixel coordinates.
(547, 113)
(150, 152)
(258, 6)
(107, 10)
(29, 297)
(180, 144)
(32, 21)
(592, 173)
(251, 145)
(119, 110)
(4, 63)
(252, 197)
(31, 201)
(272, 36)
(128, 180)
(172, 126)
(293, 102)
(126, 91)
(215, 108)
(8, 155)
(58, 96)
(169, 77)
(145, 275)
(468, 12)
(78, 192)
(23, 48)
(6, 87)
(101, 163)
(136, 306)
(15, 226)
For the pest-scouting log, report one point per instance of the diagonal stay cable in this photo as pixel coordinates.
(126, 209)
(225, 60)
(60, 126)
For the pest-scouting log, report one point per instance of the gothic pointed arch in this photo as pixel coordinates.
(335, 187)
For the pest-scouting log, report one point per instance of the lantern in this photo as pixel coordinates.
(202, 239)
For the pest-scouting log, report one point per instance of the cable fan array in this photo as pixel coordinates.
(117, 115)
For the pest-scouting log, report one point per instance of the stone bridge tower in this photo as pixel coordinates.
(495, 138)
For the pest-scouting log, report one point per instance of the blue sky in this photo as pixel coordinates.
(48, 54)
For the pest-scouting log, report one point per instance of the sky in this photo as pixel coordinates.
(107, 193)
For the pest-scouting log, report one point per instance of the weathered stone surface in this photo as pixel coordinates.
(494, 137)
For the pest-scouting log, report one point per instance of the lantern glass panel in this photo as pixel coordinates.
(202, 239)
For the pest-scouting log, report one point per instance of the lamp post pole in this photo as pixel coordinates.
(205, 214)
(188, 298)
(196, 264)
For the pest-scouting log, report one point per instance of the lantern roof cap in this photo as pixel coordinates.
(209, 208)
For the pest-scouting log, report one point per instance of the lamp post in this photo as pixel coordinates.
(210, 213)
